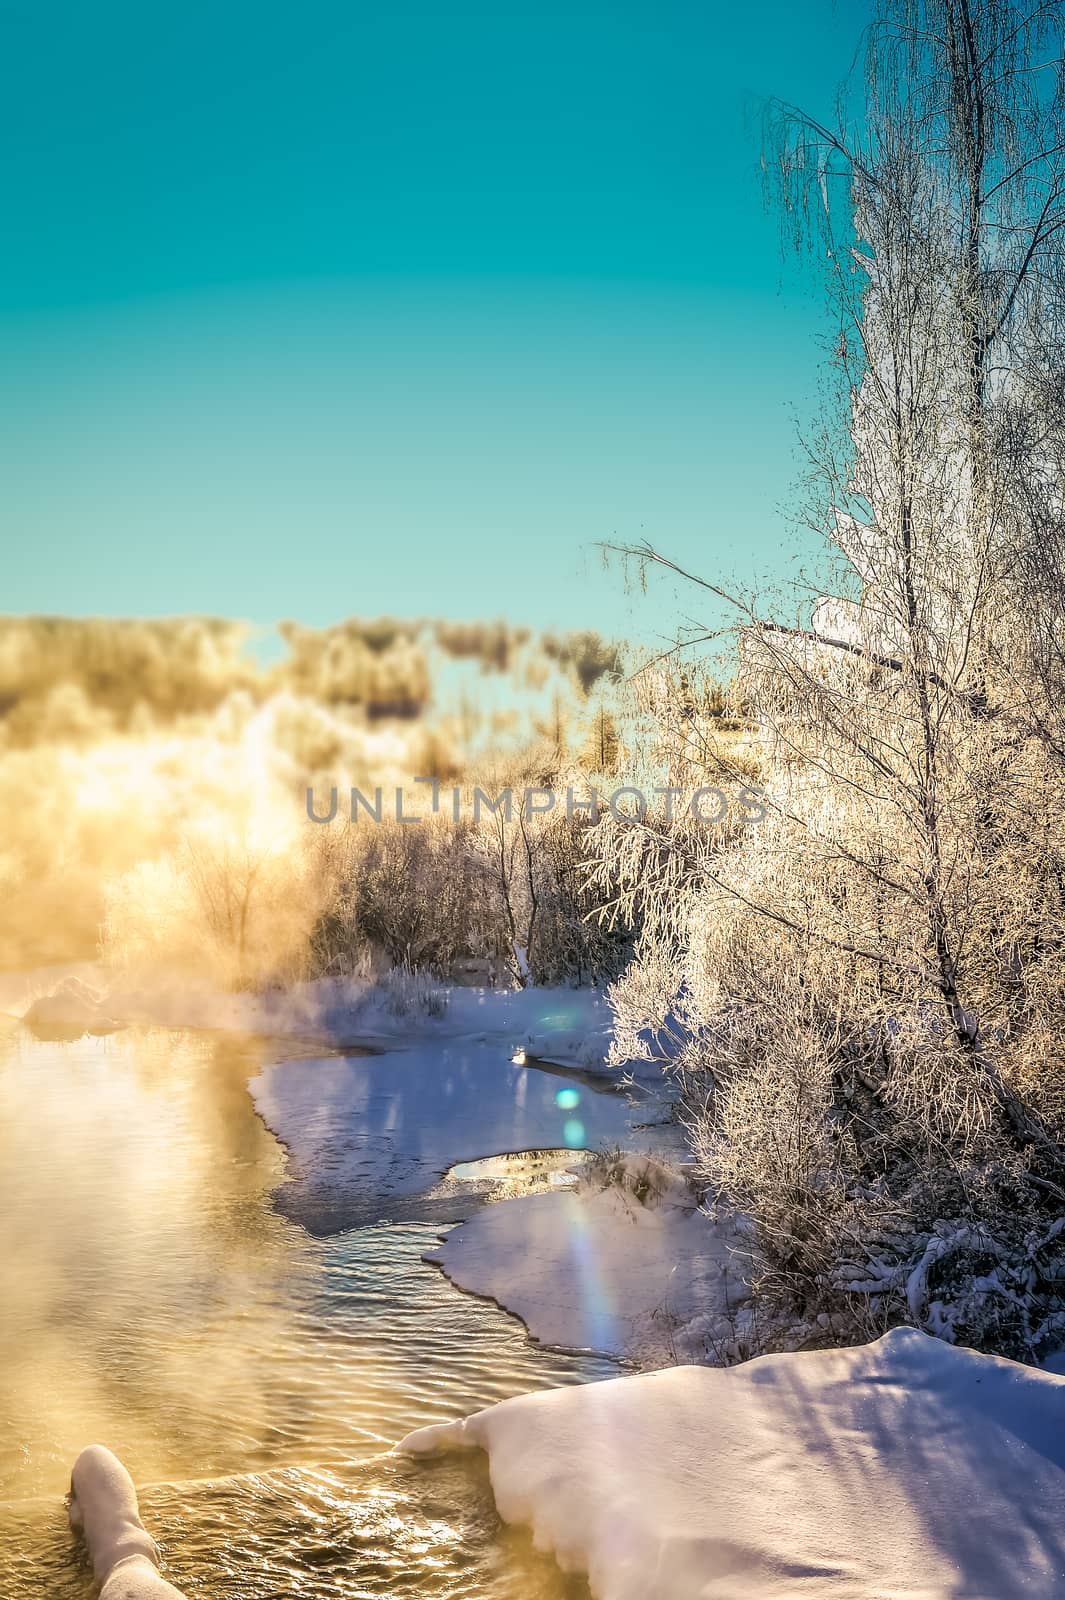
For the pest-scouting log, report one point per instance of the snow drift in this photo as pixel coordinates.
(902, 1470)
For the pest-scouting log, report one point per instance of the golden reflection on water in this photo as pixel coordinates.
(143, 1268)
(425, 1531)
(249, 1375)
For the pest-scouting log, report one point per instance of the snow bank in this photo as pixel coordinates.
(103, 1506)
(632, 1269)
(902, 1470)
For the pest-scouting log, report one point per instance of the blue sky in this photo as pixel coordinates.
(331, 309)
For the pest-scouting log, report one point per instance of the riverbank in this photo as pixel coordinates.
(904, 1468)
(416, 1080)
(626, 1262)
(565, 1025)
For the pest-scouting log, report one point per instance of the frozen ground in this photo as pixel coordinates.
(624, 1264)
(902, 1470)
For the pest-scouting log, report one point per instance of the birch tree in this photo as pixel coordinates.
(869, 996)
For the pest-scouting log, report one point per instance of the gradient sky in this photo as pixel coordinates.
(336, 308)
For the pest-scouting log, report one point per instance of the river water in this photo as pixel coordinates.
(162, 1295)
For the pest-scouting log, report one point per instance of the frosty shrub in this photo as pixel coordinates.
(507, 898)
(412, 994)
(223, 909)
(417, 895)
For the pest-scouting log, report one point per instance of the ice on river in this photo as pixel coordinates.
(624, 1263)
(368, 1136)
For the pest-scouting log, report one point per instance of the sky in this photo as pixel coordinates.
(355, 309)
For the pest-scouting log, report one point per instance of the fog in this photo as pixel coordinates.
(153, 774)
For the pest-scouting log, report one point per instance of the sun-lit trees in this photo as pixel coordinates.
(866, 988)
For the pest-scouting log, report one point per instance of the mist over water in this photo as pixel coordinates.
(152, 776)
(250, 1376)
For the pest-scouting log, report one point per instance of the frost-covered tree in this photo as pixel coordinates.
(866, 989)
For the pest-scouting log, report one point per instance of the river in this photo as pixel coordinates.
(250, 1334)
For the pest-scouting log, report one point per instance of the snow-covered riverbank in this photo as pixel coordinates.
(625, 1263)
(569, 1026)
(901, 1470)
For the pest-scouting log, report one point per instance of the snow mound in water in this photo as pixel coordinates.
(69, 1010)
(902, 1470)
(103, 1505)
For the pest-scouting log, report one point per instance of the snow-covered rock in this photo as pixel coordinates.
(68, 1010)
(902, 1470)
(103, 1507)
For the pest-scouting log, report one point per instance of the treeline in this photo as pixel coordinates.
(152, 771)
(72, 679)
